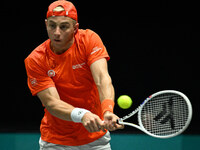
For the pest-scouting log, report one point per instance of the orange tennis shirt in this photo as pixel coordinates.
(70, 74)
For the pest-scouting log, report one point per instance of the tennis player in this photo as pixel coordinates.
(69, 74)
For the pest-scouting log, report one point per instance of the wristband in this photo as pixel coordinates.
(107, 105)
(77, 114)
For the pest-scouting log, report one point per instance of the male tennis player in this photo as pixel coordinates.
(69, 74)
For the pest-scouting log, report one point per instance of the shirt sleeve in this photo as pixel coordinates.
(37, 78)
(95, 48)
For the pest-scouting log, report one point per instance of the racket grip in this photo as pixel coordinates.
(119, 121)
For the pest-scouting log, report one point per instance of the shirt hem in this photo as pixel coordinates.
(104, 56)
(70, 142)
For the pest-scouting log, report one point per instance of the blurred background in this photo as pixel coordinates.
(153, 45)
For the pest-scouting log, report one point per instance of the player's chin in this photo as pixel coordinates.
(58, 44)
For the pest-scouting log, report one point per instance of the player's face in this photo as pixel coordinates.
(61, 32)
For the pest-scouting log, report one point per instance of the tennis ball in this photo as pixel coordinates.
(124, 101)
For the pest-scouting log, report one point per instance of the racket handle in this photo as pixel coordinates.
(119, 121)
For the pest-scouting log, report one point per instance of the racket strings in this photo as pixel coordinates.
(164, 114)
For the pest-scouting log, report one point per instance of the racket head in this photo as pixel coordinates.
(165, 114)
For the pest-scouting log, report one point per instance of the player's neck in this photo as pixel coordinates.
(61, 50)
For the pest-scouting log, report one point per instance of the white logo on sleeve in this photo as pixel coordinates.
(33, 81)
(95, 49)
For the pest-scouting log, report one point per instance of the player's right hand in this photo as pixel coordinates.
(92, 122)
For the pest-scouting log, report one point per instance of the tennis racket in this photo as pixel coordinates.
(164, 114)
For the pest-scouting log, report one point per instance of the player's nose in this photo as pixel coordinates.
(57, 31)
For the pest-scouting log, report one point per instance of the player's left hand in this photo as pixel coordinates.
(110, 121)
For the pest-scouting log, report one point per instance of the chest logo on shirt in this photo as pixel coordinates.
(51, 73)
(78, 66)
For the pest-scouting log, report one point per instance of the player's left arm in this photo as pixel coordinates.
(103, 81)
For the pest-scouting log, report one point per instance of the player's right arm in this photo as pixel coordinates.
(42, 85)
(51, 100)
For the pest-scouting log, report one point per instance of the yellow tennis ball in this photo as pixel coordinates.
(124, 101)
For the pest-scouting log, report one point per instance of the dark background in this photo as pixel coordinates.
(153, 45)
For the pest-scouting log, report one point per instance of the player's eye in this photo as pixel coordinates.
(64, 27)
(52, 26)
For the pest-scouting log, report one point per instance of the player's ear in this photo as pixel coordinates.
(76, 27)
(46, 22)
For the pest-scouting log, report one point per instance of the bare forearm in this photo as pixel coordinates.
(60, 109)
(106, 89)
(102, 79)
(51, 100)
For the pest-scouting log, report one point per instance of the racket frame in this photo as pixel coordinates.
(141, 127)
